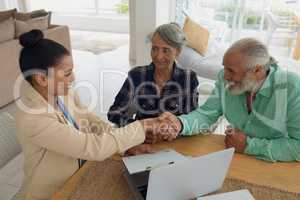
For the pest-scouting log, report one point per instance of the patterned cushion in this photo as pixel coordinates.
(24, 16)
(7, 14)
(9, 146)
(34, 14)
(40, 23)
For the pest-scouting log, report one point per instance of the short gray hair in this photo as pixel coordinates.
(172, 34)
(255, 52)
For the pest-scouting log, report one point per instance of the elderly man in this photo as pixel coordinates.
(260, 100)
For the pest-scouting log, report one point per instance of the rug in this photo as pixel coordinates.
(97, 42)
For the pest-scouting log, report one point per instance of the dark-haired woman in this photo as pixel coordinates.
(55, 130)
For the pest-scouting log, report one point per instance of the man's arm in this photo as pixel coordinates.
(281, 149)
(285, 148)
(203, 117)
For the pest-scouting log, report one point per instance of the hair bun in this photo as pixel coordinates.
(31, 38)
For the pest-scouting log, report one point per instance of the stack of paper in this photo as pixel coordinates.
(147, 162)
(236, 195)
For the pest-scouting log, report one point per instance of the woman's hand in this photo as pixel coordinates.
(140, 149)
(170, 126)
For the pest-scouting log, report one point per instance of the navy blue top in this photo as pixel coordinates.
(140, 98)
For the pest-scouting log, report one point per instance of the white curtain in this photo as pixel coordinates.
(181, 5)
(19, 4)
(132, 31)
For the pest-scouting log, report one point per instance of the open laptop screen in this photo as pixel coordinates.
(189, 179)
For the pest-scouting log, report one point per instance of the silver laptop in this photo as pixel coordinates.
(185, 178)
(189, 179)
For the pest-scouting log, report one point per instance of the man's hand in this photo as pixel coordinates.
(140, 149)
(165, 127)
(235, 138)
(170, 126)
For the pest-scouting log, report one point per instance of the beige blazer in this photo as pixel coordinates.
(52, 146)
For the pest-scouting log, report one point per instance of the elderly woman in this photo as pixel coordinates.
(55, 130)
(160, 86)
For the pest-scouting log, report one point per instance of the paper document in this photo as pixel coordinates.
(147, 162)
(236, 195)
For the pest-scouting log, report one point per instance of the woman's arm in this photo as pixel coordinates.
(49, 133)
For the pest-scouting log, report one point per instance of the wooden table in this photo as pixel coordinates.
(104, 180)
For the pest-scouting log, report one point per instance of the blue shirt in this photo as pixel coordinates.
(139, 95)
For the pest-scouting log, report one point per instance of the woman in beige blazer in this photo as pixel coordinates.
(55, 130)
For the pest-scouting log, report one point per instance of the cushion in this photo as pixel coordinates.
(196, 35)
(215, 47)
(7, 30)
(25, 16)
(4, 15)
(40, 23)
(207, 67)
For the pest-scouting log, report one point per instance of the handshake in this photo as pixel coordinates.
(165, 127)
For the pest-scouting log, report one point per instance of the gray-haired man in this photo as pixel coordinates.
(258, 98)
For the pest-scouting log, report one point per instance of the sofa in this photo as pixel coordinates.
(11, 159)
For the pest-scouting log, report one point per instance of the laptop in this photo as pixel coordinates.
(182, 179)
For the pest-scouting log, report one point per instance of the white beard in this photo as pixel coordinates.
(246, 85)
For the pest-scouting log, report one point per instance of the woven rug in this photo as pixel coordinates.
(102, 180)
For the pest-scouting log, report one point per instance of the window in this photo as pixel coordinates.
(250, 18)
(82, 6)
